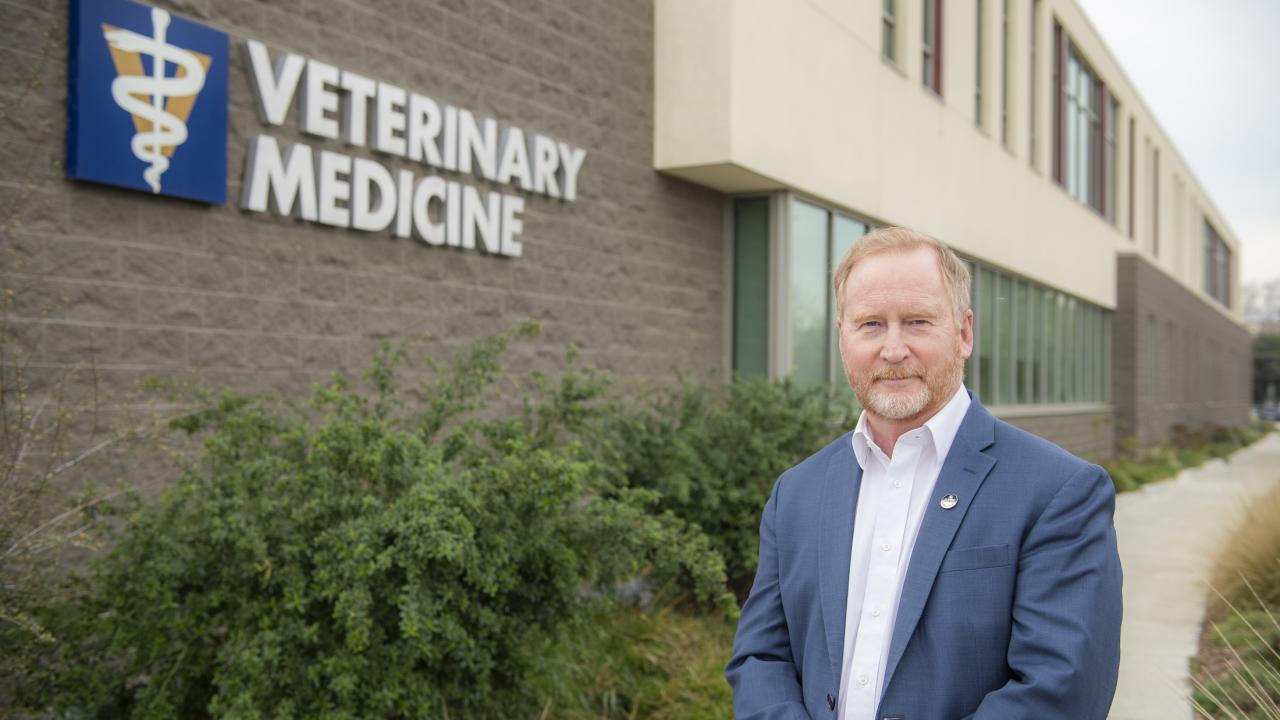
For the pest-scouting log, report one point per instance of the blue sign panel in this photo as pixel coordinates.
(147, 101)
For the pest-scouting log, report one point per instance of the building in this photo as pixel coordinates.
(665, 185)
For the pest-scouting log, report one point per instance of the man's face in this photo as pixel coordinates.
(902, 349)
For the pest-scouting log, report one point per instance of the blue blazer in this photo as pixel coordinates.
(1010, 607)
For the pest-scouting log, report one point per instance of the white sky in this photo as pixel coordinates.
(1210, 72)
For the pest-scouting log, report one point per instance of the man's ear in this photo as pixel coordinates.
(966, 335)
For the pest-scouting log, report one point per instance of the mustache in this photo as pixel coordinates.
(898, 373)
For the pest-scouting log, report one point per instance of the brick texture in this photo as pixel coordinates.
(150, 287)
(1089, 434)
(1177, 360)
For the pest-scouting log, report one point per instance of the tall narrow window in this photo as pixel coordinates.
(1179, 225)
(1005, 98)
(1132, 145)
(1217, 266)
(1059, 85)
(1005, 372)
(1084, 152)
(1109, 121)
(1033, 117)
(986, 330)
(931, 45)
(978, 68)
(817, 240)
(751, 286)
(1155, 202)
(889, 30)
(809, 252)
(845, 231)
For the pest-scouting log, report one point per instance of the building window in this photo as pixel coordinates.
(1110, 119)
(1034, 345)
(1084, 159)
(818, 239)
(1132, 145)
(1179, 225)
(751, 286)
(931, 45)
(1033, 116)
(1217, 266)
(979, 65)
(1005, 97)
(889, 30)
(1155, 202)
(813, 241)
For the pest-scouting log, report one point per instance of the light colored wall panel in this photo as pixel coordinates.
(798, 93)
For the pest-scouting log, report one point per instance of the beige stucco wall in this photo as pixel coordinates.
(762, 94)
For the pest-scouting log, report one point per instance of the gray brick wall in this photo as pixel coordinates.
(1177, 361)
(137, 286)
(1090, 433)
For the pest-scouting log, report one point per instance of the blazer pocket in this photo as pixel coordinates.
(974, 558)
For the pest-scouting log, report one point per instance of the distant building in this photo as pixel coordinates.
(665, 185)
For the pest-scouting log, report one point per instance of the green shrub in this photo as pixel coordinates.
(1122, 478)
(1239, 676)
(363, 559)
(1193, 458)
(625, 662)
(713, 455)
(1188, 449)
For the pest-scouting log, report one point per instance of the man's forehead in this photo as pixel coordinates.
(874, 303)
(896, 272)
(897, 260)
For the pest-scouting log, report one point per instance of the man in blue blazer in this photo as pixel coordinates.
(935, 563)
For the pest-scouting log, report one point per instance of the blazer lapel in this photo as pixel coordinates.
(835, 543)
(963, 471)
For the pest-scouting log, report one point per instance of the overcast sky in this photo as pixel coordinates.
(1209, 72)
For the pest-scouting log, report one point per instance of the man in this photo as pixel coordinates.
(935, 563)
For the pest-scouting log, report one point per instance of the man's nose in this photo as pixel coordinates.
(894, 349)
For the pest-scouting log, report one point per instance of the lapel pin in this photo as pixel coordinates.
(948, 501)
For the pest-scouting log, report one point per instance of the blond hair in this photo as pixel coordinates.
(955, 274)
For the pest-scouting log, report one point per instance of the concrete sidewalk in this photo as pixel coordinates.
(1169, 533)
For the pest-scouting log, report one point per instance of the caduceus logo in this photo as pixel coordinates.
(159, 102)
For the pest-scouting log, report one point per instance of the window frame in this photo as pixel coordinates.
(889, 44)
(1033, 328)
(931, 45)
(1085, 113)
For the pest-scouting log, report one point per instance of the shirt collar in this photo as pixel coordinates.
(941, 428)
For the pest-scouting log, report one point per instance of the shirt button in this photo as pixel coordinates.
(885, 547)
(897, 483)
(875, 613)
(862, 679)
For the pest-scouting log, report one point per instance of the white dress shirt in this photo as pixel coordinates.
(892, 500)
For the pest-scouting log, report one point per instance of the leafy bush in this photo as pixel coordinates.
(363, 559)
(713, 455)
(625, 662)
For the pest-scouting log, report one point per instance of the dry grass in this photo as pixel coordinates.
(1251, 557)
(1236, 675)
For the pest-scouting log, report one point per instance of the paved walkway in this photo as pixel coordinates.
(1169, 533)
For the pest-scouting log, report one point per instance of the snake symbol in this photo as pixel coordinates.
(129, 91)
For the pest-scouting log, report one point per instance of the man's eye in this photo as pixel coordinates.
(870, 324)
